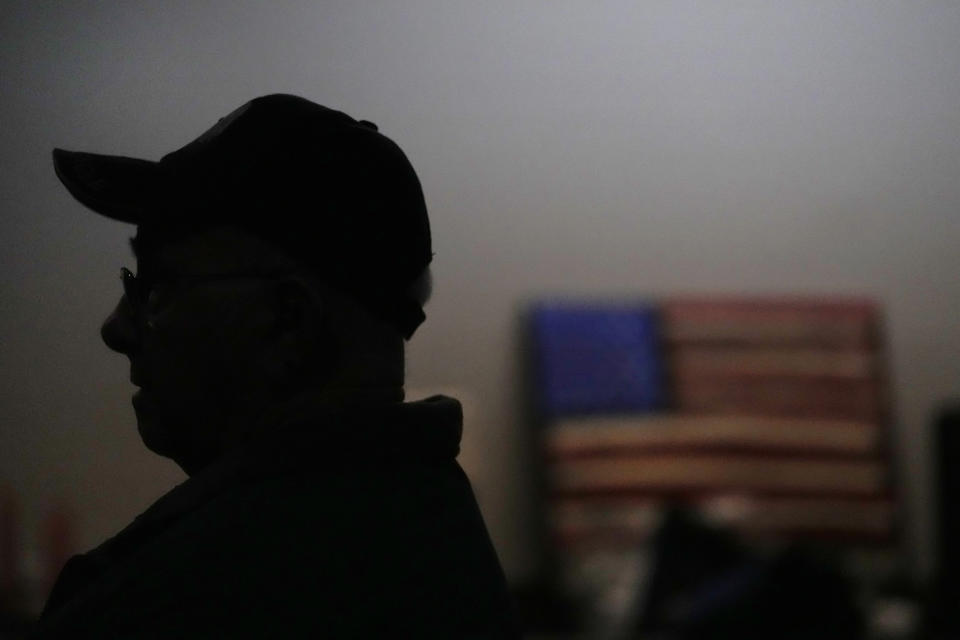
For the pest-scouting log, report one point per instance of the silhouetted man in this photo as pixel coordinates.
(282, 260)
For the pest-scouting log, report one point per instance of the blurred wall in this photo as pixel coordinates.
(601, 148)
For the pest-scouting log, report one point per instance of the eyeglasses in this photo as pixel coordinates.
(137, 290)
(133, 288)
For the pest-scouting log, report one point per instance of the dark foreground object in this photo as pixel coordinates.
(707, 585)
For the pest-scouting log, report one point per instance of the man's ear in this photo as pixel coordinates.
(297, 326)
(295, 305)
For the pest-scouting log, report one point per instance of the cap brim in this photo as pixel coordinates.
(125, 189)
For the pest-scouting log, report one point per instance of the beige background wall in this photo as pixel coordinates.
(601, 148)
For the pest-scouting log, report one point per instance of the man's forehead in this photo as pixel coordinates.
(221, 247)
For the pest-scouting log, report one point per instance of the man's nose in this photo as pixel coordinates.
(119, 330)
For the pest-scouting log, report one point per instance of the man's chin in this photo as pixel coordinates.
(155, 437)
(146, 412)
(154, 431)
(175, 439)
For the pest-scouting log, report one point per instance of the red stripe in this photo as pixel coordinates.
(639, 500)
(812, 452)
(628, 539)
(810, 380)
(688, 493)
(772, 306)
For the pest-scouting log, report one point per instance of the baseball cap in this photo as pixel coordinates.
(331, 191)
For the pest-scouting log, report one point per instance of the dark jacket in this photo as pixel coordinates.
(347, 525)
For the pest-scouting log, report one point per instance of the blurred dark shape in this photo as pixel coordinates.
(706, 584)
(942, 619)
(947, 446)
(544, 608)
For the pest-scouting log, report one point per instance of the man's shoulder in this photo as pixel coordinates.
(387, 538)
